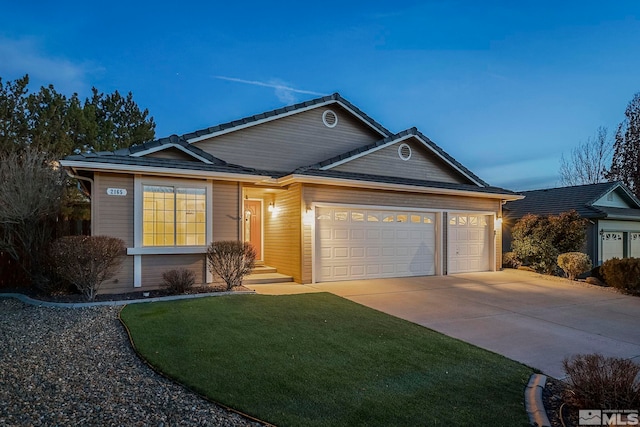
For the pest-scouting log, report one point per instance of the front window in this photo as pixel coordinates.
(173, 216)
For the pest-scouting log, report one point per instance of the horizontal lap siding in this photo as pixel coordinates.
(172, 154)
(226, 211)
(282, 233)
(423, 164)
(154, 265)
(290, 142)
(113, 216)
(350, 196)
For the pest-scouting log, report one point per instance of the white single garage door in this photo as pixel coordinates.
(365, 244)
(468, 243)
(612, 245)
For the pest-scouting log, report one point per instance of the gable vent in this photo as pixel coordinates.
(404, 151)
(330, 118)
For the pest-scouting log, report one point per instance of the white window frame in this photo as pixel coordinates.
(139, 248)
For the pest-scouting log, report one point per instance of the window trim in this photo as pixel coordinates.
(139, 248)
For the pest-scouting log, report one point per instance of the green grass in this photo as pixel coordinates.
(320, 360)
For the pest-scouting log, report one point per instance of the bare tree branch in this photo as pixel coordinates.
(588, 162)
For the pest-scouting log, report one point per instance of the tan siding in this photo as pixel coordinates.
(113, 216)
(282, 233)
(226, 211)
(290, 142)
(122, 282)
(353, 196)
(423, 164)
(154, 265)
(327, 194)
(172, 154)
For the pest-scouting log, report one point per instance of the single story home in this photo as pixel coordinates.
(321, 190)
(612, 211)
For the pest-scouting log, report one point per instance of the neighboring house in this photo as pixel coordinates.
(612, 211)
(322, 191)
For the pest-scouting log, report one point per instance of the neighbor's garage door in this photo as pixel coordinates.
(364, 244)
(468, 243)
(612, 245)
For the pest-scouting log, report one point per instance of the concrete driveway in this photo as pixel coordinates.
(534, 319)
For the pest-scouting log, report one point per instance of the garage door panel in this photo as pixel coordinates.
(373, 234)
(357, 234)
(340, 234)
(357, 252)
(341, 252)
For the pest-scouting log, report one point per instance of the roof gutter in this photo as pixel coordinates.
(153, 170)
(342, 182)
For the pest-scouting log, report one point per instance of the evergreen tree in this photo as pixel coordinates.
(51, 122)
(625, 165)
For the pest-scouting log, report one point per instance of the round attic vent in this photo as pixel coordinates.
(330, 119)
(404, 151)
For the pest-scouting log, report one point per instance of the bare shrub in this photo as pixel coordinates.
(32, 192)
(231, 260)
(87, 261)
(603, 382)
(574, 263)
(178, 281)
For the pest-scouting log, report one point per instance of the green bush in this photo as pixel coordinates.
(538, 240)
(574, 263)
(510, 259)
(178, 281)
(623, 274)
(231, 260)
(600, 382)
(87, 261)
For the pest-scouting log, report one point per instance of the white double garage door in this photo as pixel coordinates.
(356, 243)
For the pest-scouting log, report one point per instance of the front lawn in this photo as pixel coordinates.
(320, 360)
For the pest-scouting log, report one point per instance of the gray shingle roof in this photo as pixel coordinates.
(412, 131)
(552, 201)
(333, 97)
(404, 181)
(171, 140)
(123, 159)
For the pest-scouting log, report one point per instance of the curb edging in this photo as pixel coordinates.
(533, 401)
(39, 303)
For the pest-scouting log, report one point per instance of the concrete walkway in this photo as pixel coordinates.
(534, 319)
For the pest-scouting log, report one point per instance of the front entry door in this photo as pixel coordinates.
(253, 225)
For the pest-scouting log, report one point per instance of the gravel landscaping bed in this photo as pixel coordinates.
(76, 367)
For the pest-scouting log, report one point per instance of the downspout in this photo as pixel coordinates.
(88, 194)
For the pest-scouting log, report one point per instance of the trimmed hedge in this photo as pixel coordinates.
(623, 274)
(574, 263)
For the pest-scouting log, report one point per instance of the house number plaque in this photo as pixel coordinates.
(117, 191)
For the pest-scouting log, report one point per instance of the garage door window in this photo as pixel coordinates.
(357, 216)
(401, 218)
(373, 217)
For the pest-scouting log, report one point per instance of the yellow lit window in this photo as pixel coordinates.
(173, 216)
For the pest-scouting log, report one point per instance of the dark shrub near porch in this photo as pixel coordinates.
(623, 274)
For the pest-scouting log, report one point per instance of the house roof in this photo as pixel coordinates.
(121, 158)
(135, 159)
(285, 111)
(173, 141)
(391, 139)
(581, 198)
(406, 182)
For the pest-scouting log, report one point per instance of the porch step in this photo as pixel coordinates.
(263, 278)
(263, 269)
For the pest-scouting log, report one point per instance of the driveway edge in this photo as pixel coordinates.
(533, 401)
(39, 303)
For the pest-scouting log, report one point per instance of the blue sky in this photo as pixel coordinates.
(504, 87)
